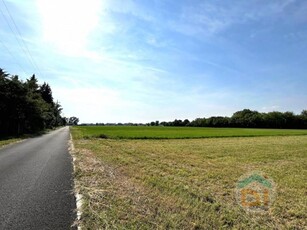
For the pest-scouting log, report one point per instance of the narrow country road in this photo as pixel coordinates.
(36, 184)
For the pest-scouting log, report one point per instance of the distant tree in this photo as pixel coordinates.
(186, 122)
(57, 110)
(303, 119)
(178, 122)
(275, 120)
(292, 121)
(64, 121)
(163, 123)
(198, 122)
(73, 121)
(304, 113)
(246, 118)
(217, 121)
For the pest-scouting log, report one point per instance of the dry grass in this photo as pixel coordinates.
(188, 184)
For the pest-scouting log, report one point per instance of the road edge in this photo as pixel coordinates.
(12, 143)
(78, 196)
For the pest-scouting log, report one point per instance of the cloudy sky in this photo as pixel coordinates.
(138, 61)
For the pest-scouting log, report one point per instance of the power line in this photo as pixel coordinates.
(19, 43)
(22, 45)
(10, 53)
(13, 33)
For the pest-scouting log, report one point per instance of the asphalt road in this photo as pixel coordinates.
(36, 184)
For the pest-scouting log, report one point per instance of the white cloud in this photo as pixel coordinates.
(101, 104)
(270, 108)
(130, 7)
(207, 19)
(94, 103)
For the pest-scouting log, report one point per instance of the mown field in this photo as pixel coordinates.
(159, 132)
(187, 183)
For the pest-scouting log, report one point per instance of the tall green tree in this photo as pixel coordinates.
(26, 107)
(46, 93)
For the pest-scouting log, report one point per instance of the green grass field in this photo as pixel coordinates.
(152, 132)
(187, 183)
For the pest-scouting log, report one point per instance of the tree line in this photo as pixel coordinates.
(246, 119)
(27, 107)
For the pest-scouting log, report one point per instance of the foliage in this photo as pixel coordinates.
(247, 119)
(73, 121)
(26, 107)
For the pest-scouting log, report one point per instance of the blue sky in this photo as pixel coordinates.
(138, 61)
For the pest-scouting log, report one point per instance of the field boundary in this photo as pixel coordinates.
(78, 196)
(184, 138)
(180, 133)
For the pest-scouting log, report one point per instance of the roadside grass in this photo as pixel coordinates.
(159, 132)
(6, 141)
(188, 183)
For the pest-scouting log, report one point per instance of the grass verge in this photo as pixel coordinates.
(188, 184)
(7, 141)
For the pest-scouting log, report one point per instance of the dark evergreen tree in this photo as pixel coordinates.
(26, 107)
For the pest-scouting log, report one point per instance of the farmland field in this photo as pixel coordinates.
(187, 183)
(152, 132)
